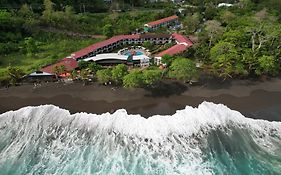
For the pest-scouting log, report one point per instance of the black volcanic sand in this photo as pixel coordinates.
(255, 99)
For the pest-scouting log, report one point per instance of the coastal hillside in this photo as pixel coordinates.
(140, 87)
(232, 40)
(31, 39)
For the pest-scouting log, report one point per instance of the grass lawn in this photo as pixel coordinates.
(47, 52)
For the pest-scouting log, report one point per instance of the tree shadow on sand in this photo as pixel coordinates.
(215, 83)
(166, 89)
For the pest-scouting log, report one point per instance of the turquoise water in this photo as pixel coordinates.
(210, 139)
(137, 53)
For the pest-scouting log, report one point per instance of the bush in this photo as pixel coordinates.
(15, 74)
(133, 79)
(83, 64)
(4, 79)
(183, 69)
(267, 65)
(104, 76)
(118, 73)
(167, 60)
(94, 67)
(148, 45)
(151, 77)
(108, 30)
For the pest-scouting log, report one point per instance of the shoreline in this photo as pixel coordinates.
(254, 99)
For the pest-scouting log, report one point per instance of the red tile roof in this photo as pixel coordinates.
(160, 21)
(182, 39)
(101, 44)
(173, 50)
(69, 63)
(76, 55)
(183, 43)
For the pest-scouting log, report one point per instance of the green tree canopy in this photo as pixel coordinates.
(118, 73)
(214, 30)
(151, 77)
(133, 79)
(183, 69)
(94, 67)
(74, 74)
(30, 45)
(210, 11)
(25, 11)
(15, 74)
(167, 60)
(48, 11)
(108, 30)
(227, 17)
(104, 75)
(236, 37)
(84, 73)
(226, 60)
(57, 70)
(191, 23)
(148, 45)
(267, 65)
(83, 64)
(69, 11)
(5, 16)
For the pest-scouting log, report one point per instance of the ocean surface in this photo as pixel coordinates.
(210, 139)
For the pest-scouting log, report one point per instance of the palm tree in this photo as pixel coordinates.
(84, 75)
(56, 71)
(73, 75)
(62, 69)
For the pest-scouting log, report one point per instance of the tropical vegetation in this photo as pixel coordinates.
(243, 40)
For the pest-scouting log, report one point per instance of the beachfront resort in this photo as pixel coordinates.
(124, 49)
(58, 42)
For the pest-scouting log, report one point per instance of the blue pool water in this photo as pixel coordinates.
(128, 53)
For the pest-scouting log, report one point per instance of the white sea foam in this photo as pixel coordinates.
(187, 121)
(51, 140)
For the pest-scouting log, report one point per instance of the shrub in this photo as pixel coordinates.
(151, 77)
(133, 79)
(118, 73)
(183, 69)
(104, 76)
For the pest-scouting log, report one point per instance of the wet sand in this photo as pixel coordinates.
(255, 99)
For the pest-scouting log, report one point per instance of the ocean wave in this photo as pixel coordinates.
(209, 139)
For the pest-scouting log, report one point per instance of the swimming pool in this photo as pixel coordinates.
(137, 53)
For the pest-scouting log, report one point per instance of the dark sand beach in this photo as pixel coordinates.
(255, 99)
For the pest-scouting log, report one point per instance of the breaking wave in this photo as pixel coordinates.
(210, 139)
